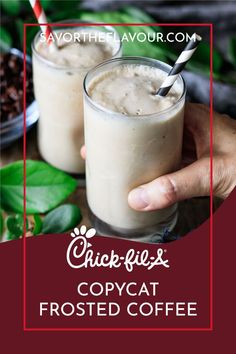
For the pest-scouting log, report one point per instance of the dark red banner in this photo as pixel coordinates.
(117, 283)
(50, 278)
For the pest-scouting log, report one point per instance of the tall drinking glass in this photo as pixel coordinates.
(58, 84)
(124, 151)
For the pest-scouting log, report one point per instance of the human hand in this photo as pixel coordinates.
(193, 180)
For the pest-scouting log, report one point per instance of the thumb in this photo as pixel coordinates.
(191, 181)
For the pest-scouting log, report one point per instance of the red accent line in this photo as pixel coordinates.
(122, 24)
(24, 179)
(207, 329)
(211, 176)
(123, 329)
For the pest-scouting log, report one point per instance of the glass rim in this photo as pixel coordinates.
(124, 59)
(72, 21)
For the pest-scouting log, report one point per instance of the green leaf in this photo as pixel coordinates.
(10, 236)
(37, 224)
(46, 4)
(31, 33)
(5, 39)
(126, 15)
(15, 226)
(137, 14)
(20, 30)
(11, 7)
(1, 223)
(232, 50)
(131, 46)
(63, 5)
(200, 61)
(46, 187)
(61, 219)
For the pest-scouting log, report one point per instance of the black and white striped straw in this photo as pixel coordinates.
(179, 64)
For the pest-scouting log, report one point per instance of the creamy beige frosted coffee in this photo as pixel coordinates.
(58, 85)
(130, 90)
(132, 136)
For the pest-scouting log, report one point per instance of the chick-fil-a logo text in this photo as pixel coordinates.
(81, 255)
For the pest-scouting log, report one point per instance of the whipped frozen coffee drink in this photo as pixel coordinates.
(132, 136)
(58, 86)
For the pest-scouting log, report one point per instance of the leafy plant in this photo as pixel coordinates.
(15, 226)
(11, 7)
(1, 223)
(201, 59)
(62, 10)
(46, 187)
(131, 47)
(138, 14)
(61, 219)
(5, 39)
(37, 224)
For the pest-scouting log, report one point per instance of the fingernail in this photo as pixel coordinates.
(138, 198)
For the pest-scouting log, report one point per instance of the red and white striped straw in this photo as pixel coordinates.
(41, 18)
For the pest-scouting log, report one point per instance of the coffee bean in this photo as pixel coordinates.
(12, 74)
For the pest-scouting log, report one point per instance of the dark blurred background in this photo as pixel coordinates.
(221, 13)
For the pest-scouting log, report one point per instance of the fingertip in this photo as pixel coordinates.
(158, 194)
(83, 152)
(138, 198)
